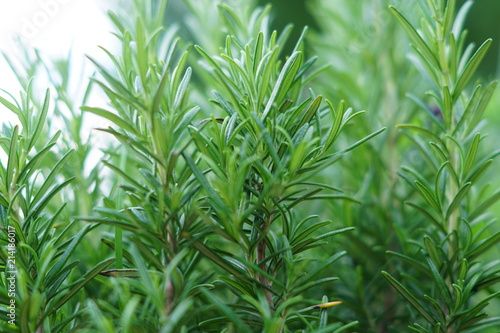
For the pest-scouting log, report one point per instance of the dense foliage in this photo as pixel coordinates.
(242, 188)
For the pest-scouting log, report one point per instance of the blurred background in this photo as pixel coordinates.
(482, 23)
(55, 27)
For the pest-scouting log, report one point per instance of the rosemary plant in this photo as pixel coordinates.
(367, 62)
(240, 174)
(449, 288)
(39, 271)
(257, 159)
(231, 195)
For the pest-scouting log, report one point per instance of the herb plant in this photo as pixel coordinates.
(241, 188)
(457, 285)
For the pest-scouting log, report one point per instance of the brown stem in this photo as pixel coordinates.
(170, 289)
(261, 255)
(169, 297)
(391, 312)
(39, 329)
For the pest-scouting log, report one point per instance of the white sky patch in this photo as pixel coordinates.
(55, 27)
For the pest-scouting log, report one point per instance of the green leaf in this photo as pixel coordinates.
(33, 164)
(470, 68)
(313, 242)
(425, 107)
(449, 15)
(412, 300)
(120, 91)
(427, 195)
(177, 316)
(231, 18)
(56, 270)
(285, 79)
(460, 17)
(470, 108)
(458, 297)
(13, 158)
(323, 316)
(341, 329)
(223, 103)
(464, 268)
(307, 231)
(16, 111)
(483, 247)
(116, 21)
(35, 211)
(303, 287)
(236, 286)
(471, 156)
(61, 278)
(360, 142)
(432, 251)
(126, 176)
(112, 117)
(76, 286)
(447, 108)
(417, 264)
(146, 251)
(181, 91)
(423, 131)
(438, 279)
(222, 78)
(258, 52)
(485, 205)
(428, 216)
(416, 38)
(42, 191)
(267, 66)
(114, 223)
(458, 198)
(41, 121)
(310, 112)
(478, 171)
(472, 312)
(309, 276)
(217, 259)
(481, 106)
(204, 182)
(36, 208)
(230, 314)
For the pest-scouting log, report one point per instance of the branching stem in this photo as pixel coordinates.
(261, 255)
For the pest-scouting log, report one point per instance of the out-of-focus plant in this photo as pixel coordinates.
(149, 112)
(365, 51)
(38, 271)
(447, 286)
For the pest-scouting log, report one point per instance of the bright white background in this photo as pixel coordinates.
(54, 27)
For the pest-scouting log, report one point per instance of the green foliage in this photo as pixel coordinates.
(453, 295)
(239, 177)
(232, 196)
(39, 255)
(256, 160)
